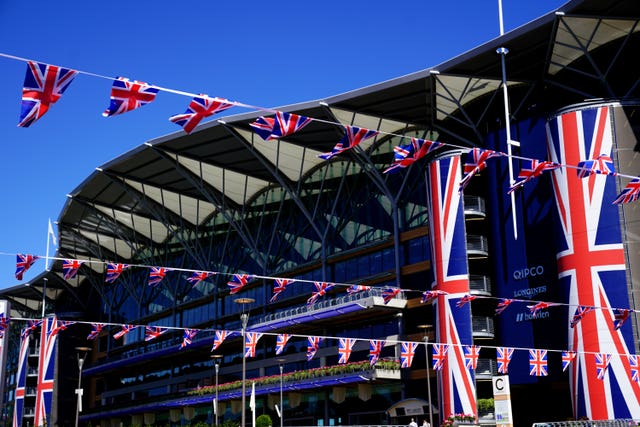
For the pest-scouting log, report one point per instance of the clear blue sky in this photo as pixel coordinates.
(268, 54)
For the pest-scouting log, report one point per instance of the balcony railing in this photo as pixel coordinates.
(479, 284)
(483, 327)
(486, 368)
(474, 206)
(477, 246)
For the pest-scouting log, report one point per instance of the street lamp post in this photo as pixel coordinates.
(281, 363)
(244, 318)
(426, 353)
(216, 363)
(82, 354)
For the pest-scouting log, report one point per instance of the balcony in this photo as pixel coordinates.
(474, 207)
(483, 327)
(477, 246)
(479, 285)
(485, 369)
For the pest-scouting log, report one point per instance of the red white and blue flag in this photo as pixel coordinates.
(439, 356)
(44, 85)
(281, 342)
(96, 328)
(464, 300)
(471, 355)
(535, 309)
(238, 281)
(354, 289)
(629, 193)
(70, 268)
(312, 346)
(4, 324)
(156, 275)
(620, 315)
(279, 286)
(447, 236)
(124, 330)
(199, 108)
(283, 124)
(389, 294)
(321, 290)
(127, 95)
(21, 378)
(579, 314)
(430, 296)
(114, 270)
(220, 336)
(601, 164)
(591, 264)
(375, 349)
(250, 343)
(634, 368)
(153, 332)
(538, 363)
(345, 347)
(23, 263)
(503, 357)
(199, 276)
(476, 162)
(353, 136)
(407, 353)
(567, 359)
(187, 337)
(503, 304)
(531, 169)
(406, 155)
(602, 363)
(46, 370)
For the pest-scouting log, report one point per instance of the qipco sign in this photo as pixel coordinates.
(525, 273)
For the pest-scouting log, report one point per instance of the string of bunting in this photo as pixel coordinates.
(44, 85)
(538, 358)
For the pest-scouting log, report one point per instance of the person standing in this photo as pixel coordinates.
(425, 423)
(413, 423)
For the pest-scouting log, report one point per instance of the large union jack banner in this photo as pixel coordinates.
(21, 378)
(591, 265)
(46, 370)
(456, 385)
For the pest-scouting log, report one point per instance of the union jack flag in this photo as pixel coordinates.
(321, 290)
(187, 337)
(4, 323)
(21, 379)
(96, 328)
(538, 363)
(199, 276)
(408, 351)
(281, 342)
(503, 357)
(531, 169)
(279, 285)
(503, 304)
(62, 325)
(124, 331)
(471, 354)
(312, 346)
(620, 316)
(114, 270)
(536, 308)
(439, 355)
(405, 155)
(353, 136)
(389, 294)
(345, 346)
(70, 268)
(32, 325)
(153, 332)
(476, 162)
(629, 193)
(465, 299)
(602, 363)
(43, 86)
(353, 289)
(199, 108)
(429, 296)
(601, 164)
(156, 274)
(46, 371)
(23, 263)
(128, 95)
(579, 314)
(456, 384)
(375, 349)
(567, 358)
(250, 343)
(220, 336)
(591, 263)
(634, 368)
(238, 281)
(263, 126)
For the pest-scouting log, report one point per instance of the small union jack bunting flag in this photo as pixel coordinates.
(128, 95)
(634, 368)
(405, 155)
(503, 357)
(620, 315)
(153, 332)
(321, 290)
(465, 299)
(439, 355)
(531, 169)
(283, 124)
(538, 363)
(389, 294)
(536, 308)
(23, 263)
(220, 336)
(250, 343)
(199, 108)
(96, 328)
(114, 270)
(198, 276)
(375, 349)
(70, 268)
(579, 314)
(44, 85)
(476, 162)
(600, 165)
(471, 354)
(353, 136)
(629, 193)
(279, 285)
(407, 353)
(345, 347)
(353, 289)
(238, 281)
(124, 331)
(503, 304)
(429, 296)
(312, 346)
(567, 358)
(281, 342)
(156, 274)
(602, 363)
(187, 337)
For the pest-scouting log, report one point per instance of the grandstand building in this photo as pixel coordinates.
(428, 264)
